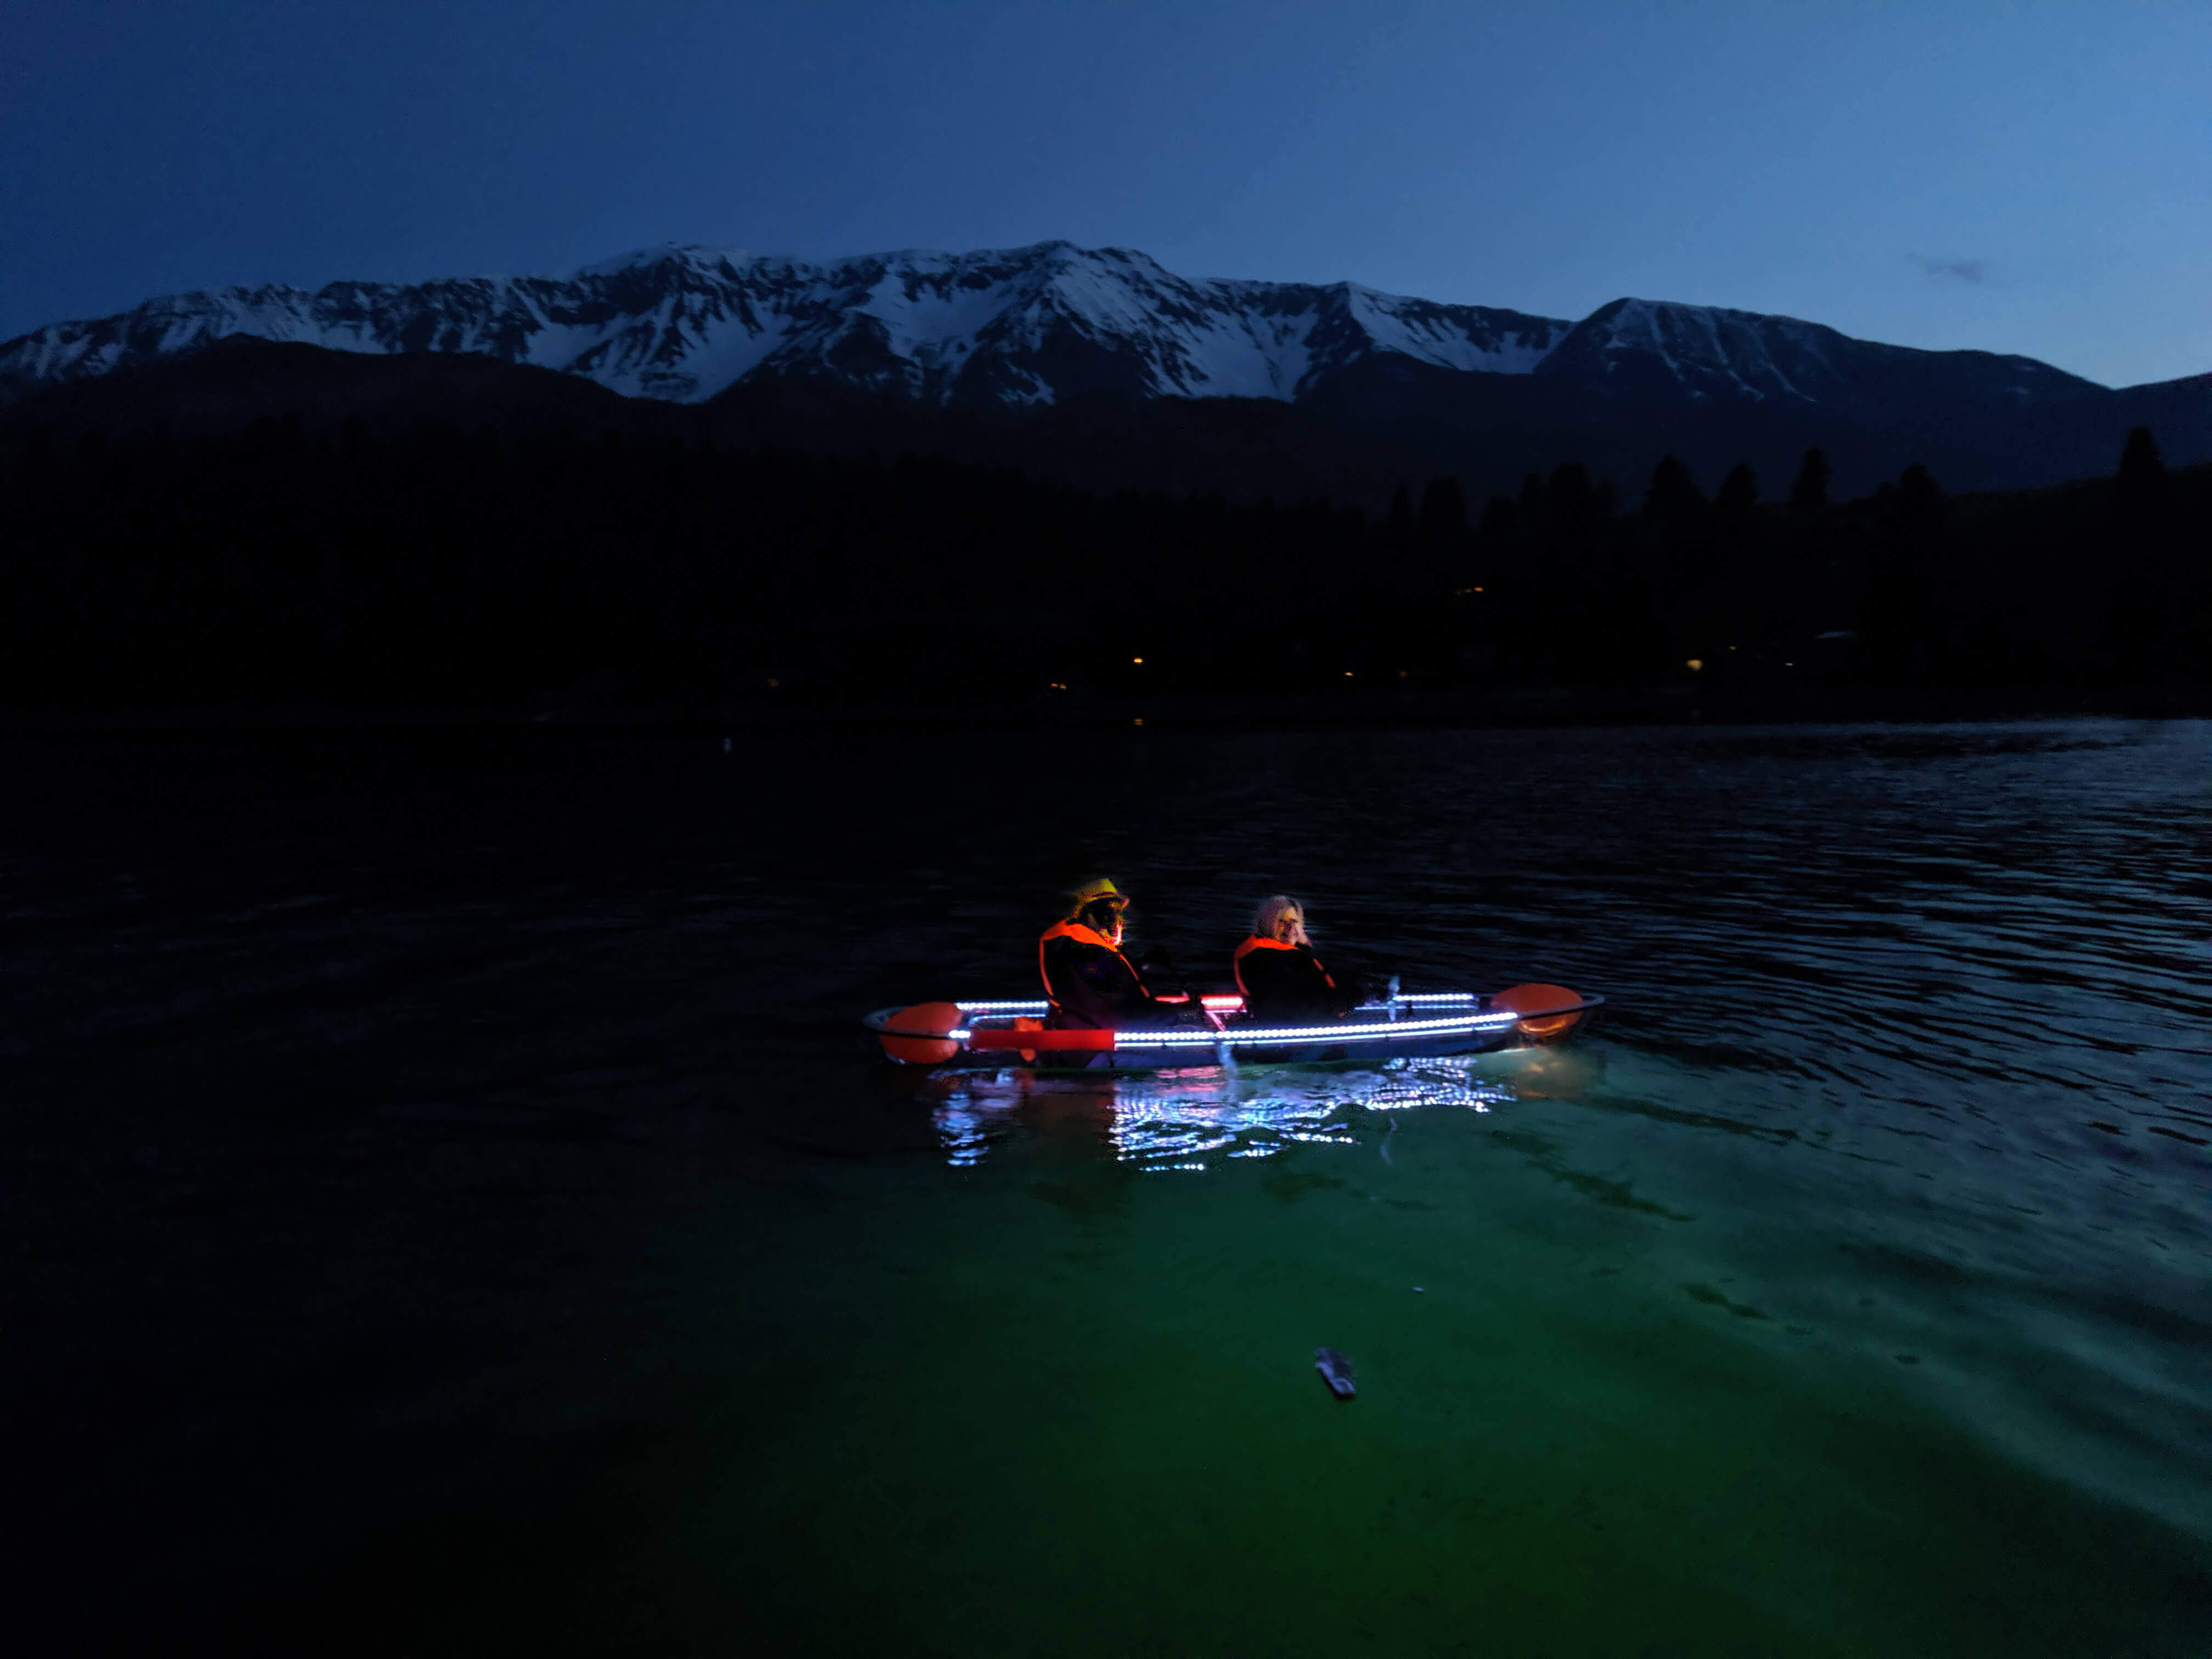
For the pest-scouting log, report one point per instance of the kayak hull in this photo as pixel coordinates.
(997, 1035)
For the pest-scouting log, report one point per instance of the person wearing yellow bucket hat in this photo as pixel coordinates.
(1091, 984)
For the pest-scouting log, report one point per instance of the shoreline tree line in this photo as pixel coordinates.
(455, 571)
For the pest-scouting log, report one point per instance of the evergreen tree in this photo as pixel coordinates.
(2142, 469)
(1738, 494)
(1673, 496)
(1569, 494)
(1809, 494)
(1917, 507)
(1397, 523)
(1443, 509)
(2144, 550)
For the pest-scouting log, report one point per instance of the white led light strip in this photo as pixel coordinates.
(1312, 1033)
(1426, 999)
(1276, 1036)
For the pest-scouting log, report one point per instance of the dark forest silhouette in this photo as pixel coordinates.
(444, 570)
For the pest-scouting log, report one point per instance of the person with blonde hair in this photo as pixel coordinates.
(1282, 979)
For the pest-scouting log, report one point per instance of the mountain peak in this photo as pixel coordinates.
(1709, 352)
(685, 253)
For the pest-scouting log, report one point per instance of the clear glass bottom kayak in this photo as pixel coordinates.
(954, 1034)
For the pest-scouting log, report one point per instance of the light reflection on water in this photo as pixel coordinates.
(1190, 1119)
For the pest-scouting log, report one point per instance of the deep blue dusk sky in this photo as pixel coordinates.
(2013, 176)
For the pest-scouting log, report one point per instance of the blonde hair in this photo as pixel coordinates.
(1270, 907)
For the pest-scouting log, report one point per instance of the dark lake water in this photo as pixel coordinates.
(450, 1208)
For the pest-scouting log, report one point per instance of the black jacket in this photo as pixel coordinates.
(1286, 985)
(1090, 983)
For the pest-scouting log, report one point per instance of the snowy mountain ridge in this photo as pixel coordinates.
(1022, 326)
(1714, 353)
(683, 324)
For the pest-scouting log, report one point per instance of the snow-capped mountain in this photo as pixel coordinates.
(1713, 354)
(1027, 325)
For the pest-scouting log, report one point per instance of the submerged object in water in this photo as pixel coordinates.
(989, 1034)
(1335, 1370)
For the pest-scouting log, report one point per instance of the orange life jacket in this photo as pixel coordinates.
(1081, 935)
(1258, 942)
